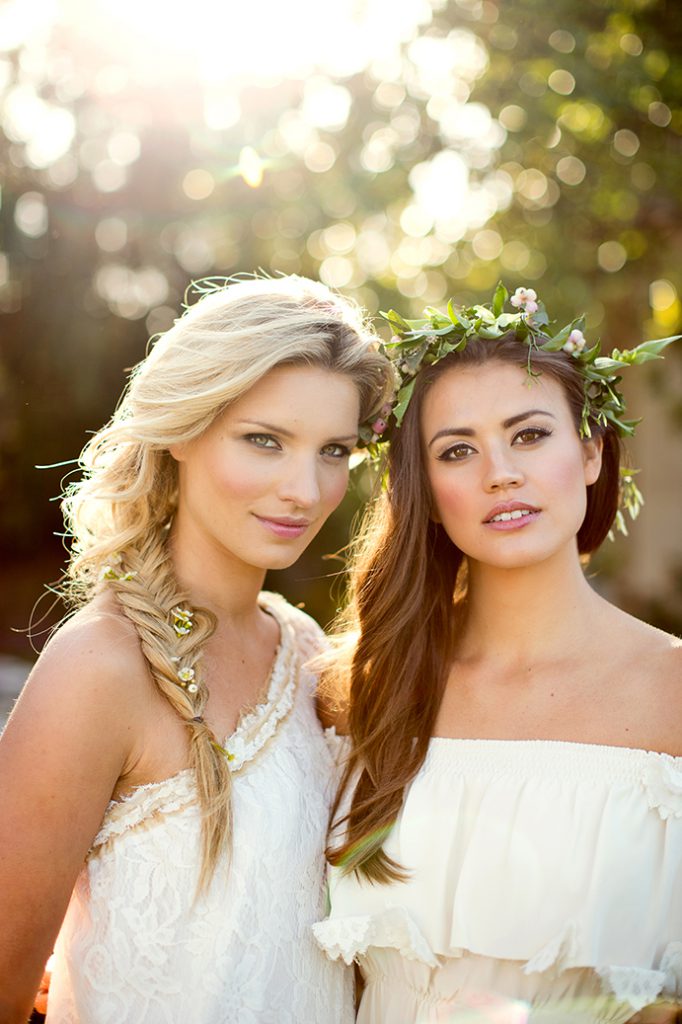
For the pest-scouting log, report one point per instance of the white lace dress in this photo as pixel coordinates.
(546, 886)
(134, 947)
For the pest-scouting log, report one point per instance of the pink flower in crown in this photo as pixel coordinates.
(379, 426)
(575, 342)
(525, 299)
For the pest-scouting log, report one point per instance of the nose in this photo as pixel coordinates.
(300, 484)
(502, 471)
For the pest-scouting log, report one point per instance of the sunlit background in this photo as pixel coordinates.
(401, 151)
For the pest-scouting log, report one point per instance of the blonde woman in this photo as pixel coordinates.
(166, 781)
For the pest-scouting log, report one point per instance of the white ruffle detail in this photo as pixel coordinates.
(663, 784)
(145, 804)
(254, 730)
(634, 985)
(393, 928)
(671, 964)
(257, 727)
(560, 948)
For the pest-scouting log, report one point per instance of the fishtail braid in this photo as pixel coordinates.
(148, 593)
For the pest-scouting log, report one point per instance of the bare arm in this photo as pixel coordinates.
(66, 744)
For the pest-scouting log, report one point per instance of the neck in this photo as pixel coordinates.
(526, 615)
(211, 575)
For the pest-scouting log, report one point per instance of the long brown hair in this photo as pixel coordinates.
(395, 638)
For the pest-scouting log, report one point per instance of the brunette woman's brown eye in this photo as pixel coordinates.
(531, 434)
(455, 453)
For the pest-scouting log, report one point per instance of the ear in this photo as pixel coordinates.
(178, 452)
(592, 452)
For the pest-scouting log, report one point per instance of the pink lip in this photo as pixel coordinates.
(283, 526)
(511, 524)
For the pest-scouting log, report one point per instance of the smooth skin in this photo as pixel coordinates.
(90, 724)
(541, 655)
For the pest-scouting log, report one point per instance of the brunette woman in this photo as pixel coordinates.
(508, 841)
(165, 779)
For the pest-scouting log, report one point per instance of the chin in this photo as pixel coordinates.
(281, 558)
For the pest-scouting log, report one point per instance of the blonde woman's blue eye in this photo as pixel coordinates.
(337, 451)
(262, 440)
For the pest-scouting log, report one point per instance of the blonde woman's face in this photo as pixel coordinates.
(261, 481)
(507, 469)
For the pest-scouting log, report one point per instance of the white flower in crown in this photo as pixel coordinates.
(525, 299)
(575, 342)
(186, 675)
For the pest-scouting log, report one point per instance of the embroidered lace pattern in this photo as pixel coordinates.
(136, 948)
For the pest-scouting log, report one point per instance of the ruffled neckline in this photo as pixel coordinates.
(532, 758)
(514, 852)
(255, 728)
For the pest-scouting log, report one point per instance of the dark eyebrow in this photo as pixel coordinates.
(469, 432)
(287, 433)
(513, 420)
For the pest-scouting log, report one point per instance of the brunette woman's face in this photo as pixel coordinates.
(261, 481)
(507, 469)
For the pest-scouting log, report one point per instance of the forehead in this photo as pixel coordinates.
(493, 390)
(302, 393)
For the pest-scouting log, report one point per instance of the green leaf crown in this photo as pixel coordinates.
(419, 343)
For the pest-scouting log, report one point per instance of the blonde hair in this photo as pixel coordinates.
(119, 512)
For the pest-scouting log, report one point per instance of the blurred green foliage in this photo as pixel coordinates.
(534, 142)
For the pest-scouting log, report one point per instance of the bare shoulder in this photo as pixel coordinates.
(651, 648)
(97, 646)
(651, 662)
(91, 671)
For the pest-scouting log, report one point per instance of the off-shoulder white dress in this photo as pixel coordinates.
(546, 886)
(136, 949)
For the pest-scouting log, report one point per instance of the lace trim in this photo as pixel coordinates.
(634, 985)
(167, 796)
(671, 963)
(561, 948)
(252, 734)
(350, 937)
(663, 785)
(257, 727)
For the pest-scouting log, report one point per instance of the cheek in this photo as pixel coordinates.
(236, 477)
(334, 489)
(566, 476)
(450, 498)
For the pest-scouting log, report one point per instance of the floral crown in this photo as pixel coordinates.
(419, 343)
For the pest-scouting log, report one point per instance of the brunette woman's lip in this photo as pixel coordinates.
(511, 515)
(289, 529)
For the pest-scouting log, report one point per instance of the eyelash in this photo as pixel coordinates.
(449, 455)
(255, 440)
(342, 452)
(537, 431)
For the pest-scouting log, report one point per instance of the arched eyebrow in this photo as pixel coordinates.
(283, 432)
(511, 422)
